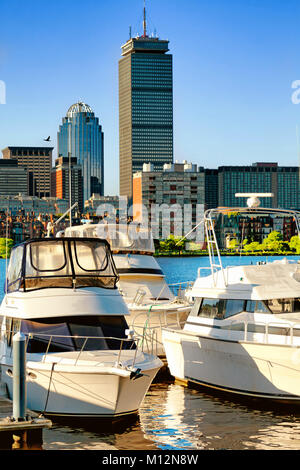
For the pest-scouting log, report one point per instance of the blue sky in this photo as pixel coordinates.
(234, 63)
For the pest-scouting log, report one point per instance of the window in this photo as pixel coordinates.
(212, 308)
(71, 333)
(256, 306)
(233, 307)
(284, 305)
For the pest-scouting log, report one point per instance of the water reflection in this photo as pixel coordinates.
(179, 418)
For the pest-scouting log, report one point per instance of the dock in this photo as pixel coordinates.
(26, 434)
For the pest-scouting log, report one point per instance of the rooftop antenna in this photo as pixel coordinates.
(298, 148)
(129, 32)
(144, 22)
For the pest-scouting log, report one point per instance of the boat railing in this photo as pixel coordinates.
(149, 330)
(132, 342)
(266, 326)
(179, 289)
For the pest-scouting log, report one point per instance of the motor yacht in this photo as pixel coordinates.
(152, 303)
(242, 335)
(81, 358)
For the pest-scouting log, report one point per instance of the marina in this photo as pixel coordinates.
(173, 417)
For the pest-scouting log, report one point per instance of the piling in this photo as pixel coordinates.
(19, 377)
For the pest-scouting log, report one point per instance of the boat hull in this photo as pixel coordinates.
(245, 368)
(82, 394)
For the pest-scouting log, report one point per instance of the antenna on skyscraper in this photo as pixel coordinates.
(144, 22)
(298, 148)
(129, 32)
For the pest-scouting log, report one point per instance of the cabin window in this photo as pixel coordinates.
(74, 333)
(218, 308)
(256, 306)
(14, 269)
(212, 308)
(233, 307)
(284, 305)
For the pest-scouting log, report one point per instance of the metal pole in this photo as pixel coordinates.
(19, 377)
(70, 189)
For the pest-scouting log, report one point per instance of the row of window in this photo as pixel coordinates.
(224, 308)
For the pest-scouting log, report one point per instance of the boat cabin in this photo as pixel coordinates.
(122, 238)
(61, 263)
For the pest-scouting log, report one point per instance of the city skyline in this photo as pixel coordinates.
(234, 65)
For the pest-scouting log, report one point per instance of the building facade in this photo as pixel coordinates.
(145, 107)
(38, 162)
(60, 181)
(260, 177)
(179, 189)
(80, 136)
(32, 205)
(13, 178)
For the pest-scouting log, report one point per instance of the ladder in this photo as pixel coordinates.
(213, 249)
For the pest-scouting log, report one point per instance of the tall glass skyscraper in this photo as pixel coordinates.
(80, 136)
(145, 107)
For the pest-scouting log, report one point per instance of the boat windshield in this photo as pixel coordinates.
(61, 263)
(73, 333)
(122, 238)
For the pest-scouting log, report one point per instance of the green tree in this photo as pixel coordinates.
(273, 242)
(294, 244)
(5, 243)
(172, 244)
(253, 246)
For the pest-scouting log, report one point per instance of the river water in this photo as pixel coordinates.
(173, 417)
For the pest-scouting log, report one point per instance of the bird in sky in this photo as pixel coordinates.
(48, 139)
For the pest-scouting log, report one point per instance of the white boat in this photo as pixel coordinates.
(152, 303)
(243, 333)
(80, 360)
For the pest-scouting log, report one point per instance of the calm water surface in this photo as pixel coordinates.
(174, 417)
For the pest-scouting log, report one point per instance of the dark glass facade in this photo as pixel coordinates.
(145, 108)
(282, 181)
(81, 134)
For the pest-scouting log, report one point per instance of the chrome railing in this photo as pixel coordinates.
(149, 330)
(266, 333)
(135, 343)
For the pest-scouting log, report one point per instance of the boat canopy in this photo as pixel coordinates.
(61, 262)
(122, 237)
(279, 279)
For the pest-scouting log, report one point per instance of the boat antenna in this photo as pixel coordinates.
(51, 225)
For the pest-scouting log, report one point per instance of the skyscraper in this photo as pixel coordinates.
(60, 183)
(145, 107)
(38, 162)
(80, 136)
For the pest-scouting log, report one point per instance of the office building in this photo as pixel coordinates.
(60, 181)
(115, 207)
(145, 107)
(13, 178)
(80, 136)
(38, 162)
(32, 205)
(260, 177)
(179, 187)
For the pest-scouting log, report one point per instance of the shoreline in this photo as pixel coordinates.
(195, 254)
